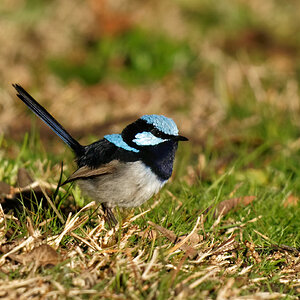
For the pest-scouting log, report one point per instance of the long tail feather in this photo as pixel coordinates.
(42, 113)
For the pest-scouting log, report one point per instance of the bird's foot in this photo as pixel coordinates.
(109, 216)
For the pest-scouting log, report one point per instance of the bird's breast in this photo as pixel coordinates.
(130, 185)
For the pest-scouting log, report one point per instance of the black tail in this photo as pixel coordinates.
(42, 113)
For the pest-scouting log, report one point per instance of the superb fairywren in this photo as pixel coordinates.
(124, 169)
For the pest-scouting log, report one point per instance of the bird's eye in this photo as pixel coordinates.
(157, 133)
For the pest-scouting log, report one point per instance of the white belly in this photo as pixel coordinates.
(130, 185)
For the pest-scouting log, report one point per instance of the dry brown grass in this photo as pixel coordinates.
(94, 257)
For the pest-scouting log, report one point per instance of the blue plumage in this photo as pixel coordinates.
(162, 123)
(121, 169)
(117, 140)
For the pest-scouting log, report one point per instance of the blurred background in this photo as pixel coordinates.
(216, 68)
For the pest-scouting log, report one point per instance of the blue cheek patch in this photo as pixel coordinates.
(117, 140)
(162, 123)
(147, 139)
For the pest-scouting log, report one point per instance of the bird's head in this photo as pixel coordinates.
(151, 130)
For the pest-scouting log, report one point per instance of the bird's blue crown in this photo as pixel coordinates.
(162, 123)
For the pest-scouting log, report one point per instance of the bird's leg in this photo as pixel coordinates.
(109, 216)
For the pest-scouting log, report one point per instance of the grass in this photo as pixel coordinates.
(263, 237)
(229, 75)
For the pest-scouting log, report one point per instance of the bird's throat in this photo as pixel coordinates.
(160, 158)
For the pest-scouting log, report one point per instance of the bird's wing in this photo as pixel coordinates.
(85, 172)
(103, 152)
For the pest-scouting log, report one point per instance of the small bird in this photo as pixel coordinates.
(124, 169)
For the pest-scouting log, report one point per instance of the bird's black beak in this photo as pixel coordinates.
(180, 138)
